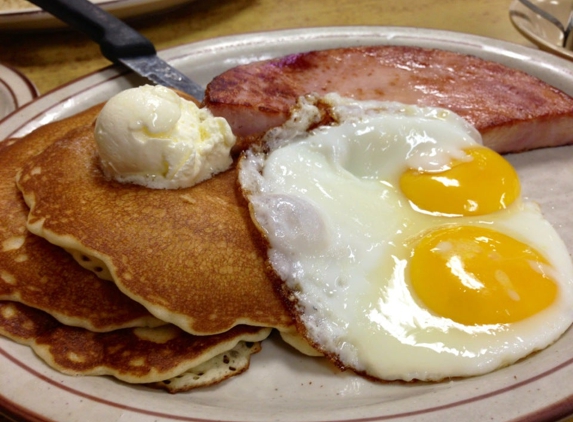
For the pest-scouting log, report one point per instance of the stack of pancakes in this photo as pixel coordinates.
(162, 287)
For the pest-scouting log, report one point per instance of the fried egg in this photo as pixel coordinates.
(403, 243)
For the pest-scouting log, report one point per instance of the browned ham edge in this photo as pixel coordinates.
(512, 110)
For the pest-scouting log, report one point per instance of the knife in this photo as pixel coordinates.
(120, 43)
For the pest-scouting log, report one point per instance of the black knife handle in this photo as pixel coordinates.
(116, 39)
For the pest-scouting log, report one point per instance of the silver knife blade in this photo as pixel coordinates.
(120, 43)
(160, 72)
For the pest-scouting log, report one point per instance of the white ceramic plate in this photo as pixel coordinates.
(282, 385)
(15, 15)
(539, 30)
(15, 90)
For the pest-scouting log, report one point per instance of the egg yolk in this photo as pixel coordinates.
(475, 275)
(484, 184)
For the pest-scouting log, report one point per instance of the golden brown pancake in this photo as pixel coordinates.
(44, 276)
(165, 356)
(192, 256)
(41, 275)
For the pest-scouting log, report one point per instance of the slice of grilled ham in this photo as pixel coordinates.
(513, 111)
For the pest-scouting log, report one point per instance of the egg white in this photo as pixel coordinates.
(340, 234)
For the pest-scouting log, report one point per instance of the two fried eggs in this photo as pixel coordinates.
(404, 244)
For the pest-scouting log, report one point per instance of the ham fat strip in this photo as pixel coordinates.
(513, 110)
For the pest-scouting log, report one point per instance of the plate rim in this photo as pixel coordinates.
(18, 86)
(33, 18)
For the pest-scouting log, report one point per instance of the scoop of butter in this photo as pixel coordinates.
(150, 136)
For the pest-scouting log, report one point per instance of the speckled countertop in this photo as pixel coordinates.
(53, 58)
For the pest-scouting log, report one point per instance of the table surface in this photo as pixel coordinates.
(55, 57)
